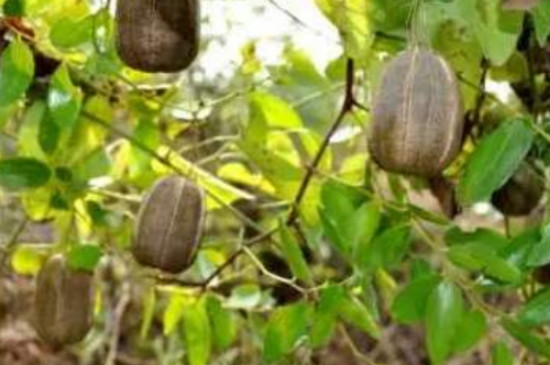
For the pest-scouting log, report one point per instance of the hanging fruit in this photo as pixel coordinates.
(169, 225)
(63, 302)
(158, 35)
(417, 116)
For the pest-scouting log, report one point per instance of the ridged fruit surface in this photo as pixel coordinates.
(63, 303)
(158, 35)
(169, 225)
(417, 117)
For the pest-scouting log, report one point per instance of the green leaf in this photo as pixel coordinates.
(481, 236)
(285, 327)
(502, 270)
(68, 32)
(326, 315)
(444, 316)
(218, 191)
(293, 254)
(519, 249)
(197, 333)
(387, 250)
(276, 112)
(149, 303)
(523, 335)
(27, 136)
(470, 331)
(28, 259)
(49, 134)
(16, 72)
(535, 311)
(64, 99)
(84, 257)
(342, 215)
(353, 311)
(365, 223)
(301, 79)
(173, 313)
(541, 18)
(23, 173)
(222, 322)
(410, 304)
(96, 164)
(539, 253)
(501, 355)
(147, 132)
(480, 257)
(351, 17)
(496, 31)
(14, 8)
(495, 160)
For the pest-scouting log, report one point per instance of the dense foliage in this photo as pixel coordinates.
(307, 241)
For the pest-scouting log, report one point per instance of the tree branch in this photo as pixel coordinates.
(347, 106)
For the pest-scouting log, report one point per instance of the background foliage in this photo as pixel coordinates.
(309, 245)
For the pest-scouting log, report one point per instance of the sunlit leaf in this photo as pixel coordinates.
(218, 191)
(28, 259)
(149, 302)
(16, 72)
(197, 333)
(351, 17)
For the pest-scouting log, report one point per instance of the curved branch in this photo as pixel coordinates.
(347, 106)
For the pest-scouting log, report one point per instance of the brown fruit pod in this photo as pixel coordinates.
(521, 193)
(63, 303)
(418, 117)
(169, 225)
(158, 35)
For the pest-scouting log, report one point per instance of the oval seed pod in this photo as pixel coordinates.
(158, 35)
(169, 225)
(417, 115)
(63, 302)
(521, 194)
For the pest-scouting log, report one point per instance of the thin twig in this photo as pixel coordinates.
(355, 351)
(481, 96)
(118, 317)
(227, 263)
(347, 106)
(289, 282)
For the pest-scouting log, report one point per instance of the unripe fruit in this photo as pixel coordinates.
(169, 225)
(417, 116)
(63, 302)
(158, 35)
(521, 194)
